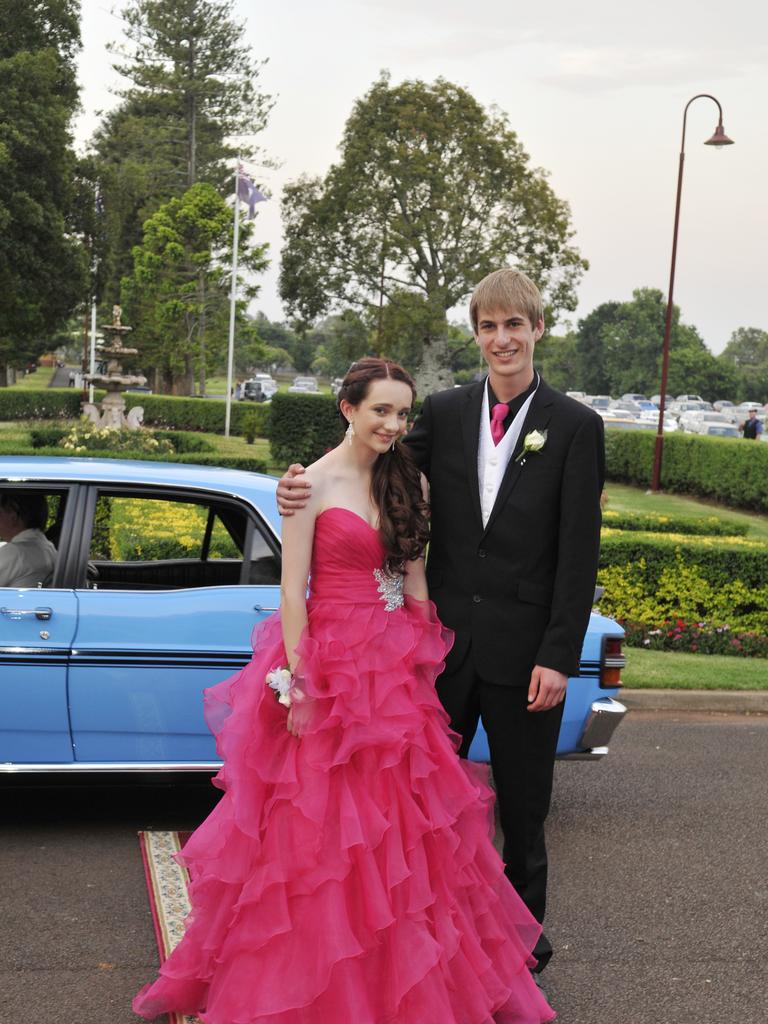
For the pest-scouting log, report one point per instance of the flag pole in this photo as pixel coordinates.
(92, 360)
(232, 298)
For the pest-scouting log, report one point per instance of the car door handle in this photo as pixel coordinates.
(43, 614)
(263, 608)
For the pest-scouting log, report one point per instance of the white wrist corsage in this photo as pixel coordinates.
(533, 442)
(281, 680)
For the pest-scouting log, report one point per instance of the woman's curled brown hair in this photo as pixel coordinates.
(396, 483)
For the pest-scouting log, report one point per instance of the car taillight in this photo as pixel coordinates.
(612, 662)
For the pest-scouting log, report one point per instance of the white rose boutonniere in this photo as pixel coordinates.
(534, 442)
(281, 680)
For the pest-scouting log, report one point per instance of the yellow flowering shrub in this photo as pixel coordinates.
(144, 529)
(683, 592)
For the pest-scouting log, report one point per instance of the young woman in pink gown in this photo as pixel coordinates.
(347, 875)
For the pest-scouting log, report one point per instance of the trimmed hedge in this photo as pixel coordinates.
(167, 411)
(39, 405)
(710, 526)
(204, 414)
(302, 428)
(719, 561)
(727, 470)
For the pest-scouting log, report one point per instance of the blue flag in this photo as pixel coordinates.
(247, 191)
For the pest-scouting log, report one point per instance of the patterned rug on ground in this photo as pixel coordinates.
(167, 890)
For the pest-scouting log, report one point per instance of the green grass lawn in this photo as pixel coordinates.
(662, 670)
(239, 446)
(36, 381)
(622, 498)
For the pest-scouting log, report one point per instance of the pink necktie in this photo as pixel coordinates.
(499, 413)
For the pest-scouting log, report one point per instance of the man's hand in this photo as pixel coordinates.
(546, 689)
(292, 490)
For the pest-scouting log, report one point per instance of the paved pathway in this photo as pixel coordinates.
(658, 907)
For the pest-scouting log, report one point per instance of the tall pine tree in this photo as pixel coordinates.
(42, 265)
(193, 87)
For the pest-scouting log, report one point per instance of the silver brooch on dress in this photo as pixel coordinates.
(390, 588)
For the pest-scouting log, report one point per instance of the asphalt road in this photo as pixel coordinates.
(658, 896)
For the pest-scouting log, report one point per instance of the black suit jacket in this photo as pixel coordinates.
(520, 589)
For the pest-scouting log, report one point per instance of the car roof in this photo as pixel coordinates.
(256, 487)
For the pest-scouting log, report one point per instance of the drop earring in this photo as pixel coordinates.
(350, 433)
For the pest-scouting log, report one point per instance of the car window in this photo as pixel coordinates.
(145, 542)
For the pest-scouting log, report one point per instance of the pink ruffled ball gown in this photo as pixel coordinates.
(348, 876)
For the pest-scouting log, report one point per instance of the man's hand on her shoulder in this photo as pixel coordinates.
(546, 689)
(293, 490)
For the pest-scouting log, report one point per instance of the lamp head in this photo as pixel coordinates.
(719, 138)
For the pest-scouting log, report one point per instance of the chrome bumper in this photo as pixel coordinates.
(604, 717)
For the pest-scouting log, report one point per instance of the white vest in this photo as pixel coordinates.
(493, 459)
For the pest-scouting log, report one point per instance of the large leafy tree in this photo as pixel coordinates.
(619, 348)
(747, 355)
(339, 340)
(192, 87)
(559, 361)
(42, 264)
(431, 192)
(188, 240)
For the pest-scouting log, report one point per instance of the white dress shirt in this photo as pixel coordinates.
(492, 460)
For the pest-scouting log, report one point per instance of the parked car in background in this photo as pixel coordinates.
(679, 408)
(253, 391)
(268, 383)
(743, 409)
(721, 430)
(162, 572)
(722, 405)
(649, 412)
(624, 407)
(693, 419)
(598, 402)
(304, 386)
(698, 422)
(634, 398)
(689, 398)
(616, 421)
(656, 399)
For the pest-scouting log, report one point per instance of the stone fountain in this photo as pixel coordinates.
(111, 410)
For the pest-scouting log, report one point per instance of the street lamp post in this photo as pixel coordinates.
(719, 138)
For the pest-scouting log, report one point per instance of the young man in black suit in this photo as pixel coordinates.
(515, 470)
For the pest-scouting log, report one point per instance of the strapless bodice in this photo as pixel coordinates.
(347, 562)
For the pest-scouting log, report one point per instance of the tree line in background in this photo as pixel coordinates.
(430, 192)
(617, 349)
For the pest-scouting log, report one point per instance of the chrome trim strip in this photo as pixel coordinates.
(141, 659)
(15, 652)
(82, 767)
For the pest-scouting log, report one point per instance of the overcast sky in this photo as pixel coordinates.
(595, 91)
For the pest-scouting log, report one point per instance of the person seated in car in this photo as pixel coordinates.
(27, 558)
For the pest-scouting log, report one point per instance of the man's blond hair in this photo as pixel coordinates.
(506, 289)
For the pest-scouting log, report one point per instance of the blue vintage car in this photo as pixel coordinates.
(162, 571)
